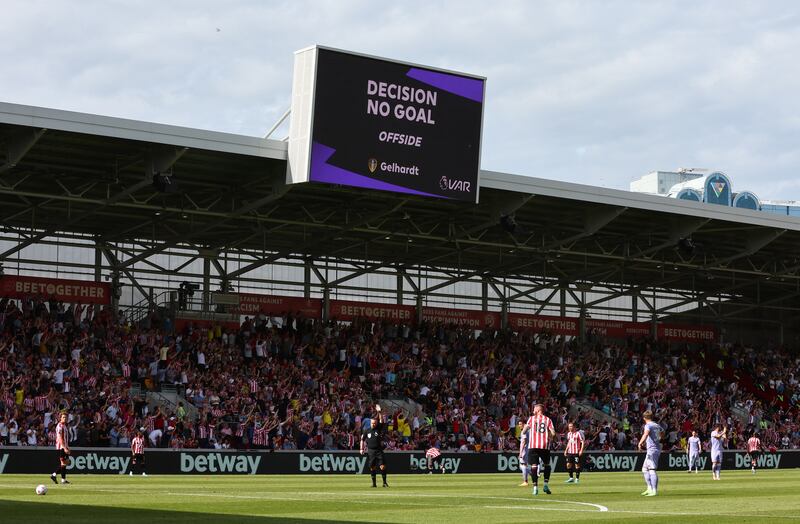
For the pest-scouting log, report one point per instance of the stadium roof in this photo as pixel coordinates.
(74, 173)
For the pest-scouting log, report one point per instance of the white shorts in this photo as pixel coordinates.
(523, 457)
(716, 456)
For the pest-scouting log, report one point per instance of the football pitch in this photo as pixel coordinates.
(769, 496)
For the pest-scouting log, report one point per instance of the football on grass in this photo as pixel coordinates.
(41, 489)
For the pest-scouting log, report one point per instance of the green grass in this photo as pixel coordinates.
(770, 496)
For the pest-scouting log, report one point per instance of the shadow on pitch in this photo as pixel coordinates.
(24, 512)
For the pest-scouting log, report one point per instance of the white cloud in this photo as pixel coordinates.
(578, 91)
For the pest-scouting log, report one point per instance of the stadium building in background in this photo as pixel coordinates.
(204, 226)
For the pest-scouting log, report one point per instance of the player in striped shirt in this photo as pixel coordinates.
(539, 429)
(754, 448)
(574, 452)
(431, 455)
(137, 452)
(62, 447)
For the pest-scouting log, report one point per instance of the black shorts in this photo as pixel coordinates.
(138, 458)
(374, 458)
(574, 459)
(754, 455)
(534, 454)
(62, 455)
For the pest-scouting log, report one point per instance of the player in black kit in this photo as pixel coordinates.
(372, 445)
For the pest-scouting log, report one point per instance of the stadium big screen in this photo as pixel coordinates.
(387, 125)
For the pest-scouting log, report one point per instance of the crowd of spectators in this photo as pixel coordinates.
(287, 382)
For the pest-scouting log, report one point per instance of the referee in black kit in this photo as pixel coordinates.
(372, 445)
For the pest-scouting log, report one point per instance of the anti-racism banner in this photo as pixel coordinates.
(348, 310)
(83, 291)
(252, 304)
(386, 125)
(471, 318)
(617, 328)
(117, 461)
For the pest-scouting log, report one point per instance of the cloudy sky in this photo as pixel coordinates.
(597, 92)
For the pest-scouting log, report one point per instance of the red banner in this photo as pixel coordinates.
(539, 324)
(472, 318)
(348, 310)
(618, 329)
(683, 333)
(252, 304)
(83, 291)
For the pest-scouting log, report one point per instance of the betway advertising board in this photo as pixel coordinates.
(375, 123)
(205, 462)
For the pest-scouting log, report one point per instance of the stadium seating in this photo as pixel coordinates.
(291, 383)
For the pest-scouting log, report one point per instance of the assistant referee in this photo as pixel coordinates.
(372, 445)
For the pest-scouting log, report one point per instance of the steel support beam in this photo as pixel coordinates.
(18, 147)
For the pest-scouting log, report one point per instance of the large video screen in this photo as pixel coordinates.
(395, 127)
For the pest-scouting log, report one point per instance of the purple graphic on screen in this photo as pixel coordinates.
(322, 171)
(471, 88)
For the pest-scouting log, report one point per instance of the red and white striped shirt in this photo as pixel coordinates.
(539, 428)
(753, 444)
(42, 403)
(137, 445)
(432, 453)
(126, 370)
(574, 442)
(61, 436)
(253, 385)
(260, 436)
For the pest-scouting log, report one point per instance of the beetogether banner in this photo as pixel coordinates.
(348, 310)
(205, 462)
